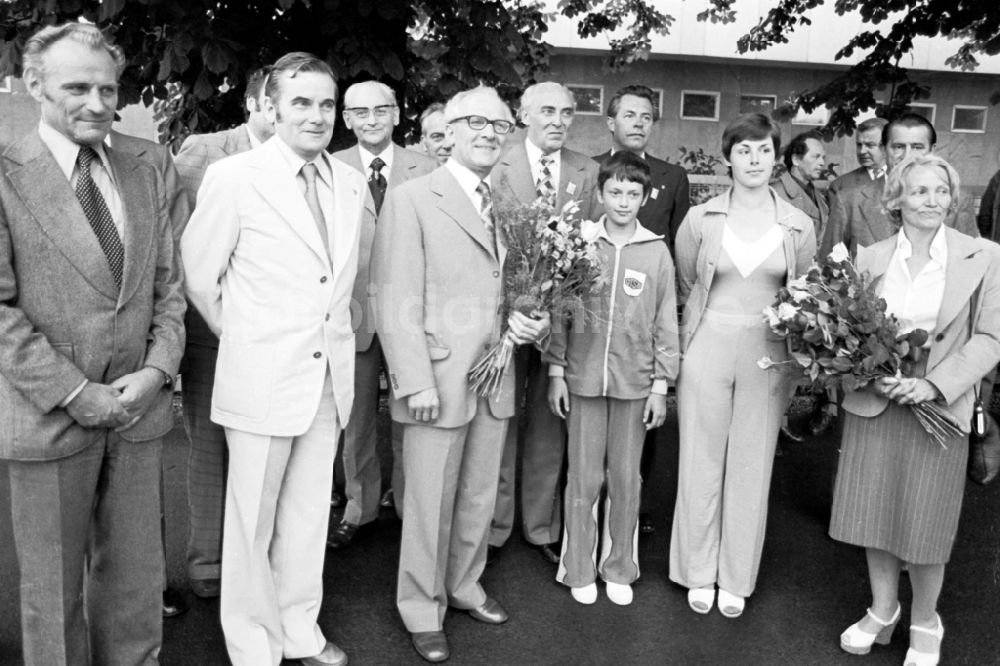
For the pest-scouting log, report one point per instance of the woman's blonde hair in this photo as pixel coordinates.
(895, 183)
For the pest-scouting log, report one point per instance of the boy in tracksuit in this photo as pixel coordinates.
(608, 377)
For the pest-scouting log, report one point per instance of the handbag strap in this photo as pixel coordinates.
(974, 315)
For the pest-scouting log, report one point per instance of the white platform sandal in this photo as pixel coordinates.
(701, 599)
(858, 641)
(917, 658)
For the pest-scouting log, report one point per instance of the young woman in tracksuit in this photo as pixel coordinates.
(608, 378)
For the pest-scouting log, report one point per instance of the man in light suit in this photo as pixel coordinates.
(437, 265)
(541, 166)
(271, 253)
(91, 335)
(631, 116)
(370, 111)
(856, 215)
(805, 160)
(206, 480)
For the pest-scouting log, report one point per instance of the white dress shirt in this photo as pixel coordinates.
(324, 183)
(468, 181)
(368, 156)
(534, 160)
(916, 299)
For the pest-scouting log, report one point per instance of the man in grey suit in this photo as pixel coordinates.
(370, 111)
(433, 136)
(437, 265)
(540, 167)
(805, 159)
(91, 335)
(206, 481)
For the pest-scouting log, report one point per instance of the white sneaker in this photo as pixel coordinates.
(586, 594)
(618, 593)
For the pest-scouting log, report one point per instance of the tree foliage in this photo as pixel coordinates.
(191, 57)
(974, 24)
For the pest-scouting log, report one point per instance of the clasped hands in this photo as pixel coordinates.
(425, 406)
(905, 390)
(117, 405)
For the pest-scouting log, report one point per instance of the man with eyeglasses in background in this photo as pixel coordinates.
(433, 136)
(437, 264)
(541, 167)
(371, 112)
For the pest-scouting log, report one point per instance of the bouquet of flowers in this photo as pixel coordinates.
(552, 263)
(838, 332)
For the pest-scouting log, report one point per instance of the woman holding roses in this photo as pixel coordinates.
(732, 254)
(898, 493)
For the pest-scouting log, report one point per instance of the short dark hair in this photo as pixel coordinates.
(871, 124)
(625, 166)
(754, 126)
(798, 146)
(291, 64)
(635, 90)
(910, 120)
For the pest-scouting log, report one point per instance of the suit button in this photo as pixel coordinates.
(317, 355)
(496, 273)
(939, 337)
(322, 280)
(486, 347)
(328, 316)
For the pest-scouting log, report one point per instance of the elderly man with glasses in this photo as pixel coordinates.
(371, 112)
(437, 266)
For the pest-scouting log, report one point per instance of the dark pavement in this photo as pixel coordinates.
(810, 588)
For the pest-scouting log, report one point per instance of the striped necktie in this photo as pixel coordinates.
(544, 187)
(486, 212)
(98, 214)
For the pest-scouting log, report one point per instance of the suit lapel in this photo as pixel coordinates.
(515, 176)
(455, 204)
(280, 189)
(878, 223)
(140, 221)
(966, 266)
(346, 224)
(570, 179)
(401, 166)
(49, 198)
(352, 158)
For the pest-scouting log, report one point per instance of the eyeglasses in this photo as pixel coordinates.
(479, 122)
(362, 113)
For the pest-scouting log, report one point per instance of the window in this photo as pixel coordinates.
(968, 119)
(5, 84)
(657, 102)
(699, 105)
(818, 117)
(758, 104)
(928, 111)
(589, 99)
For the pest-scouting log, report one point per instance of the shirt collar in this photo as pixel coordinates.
(254, 141)
(367, 156)
(640, 234)
(938, 250)
(875, 173)
(467, 179)
(535, 154)
(66, 151)
(295, 162)
(642, 154)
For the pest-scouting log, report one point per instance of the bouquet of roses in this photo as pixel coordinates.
(837, 330)
(551, 264)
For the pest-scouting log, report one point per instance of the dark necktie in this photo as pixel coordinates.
(309, 173)
(486, 212)
(98, 213)
(544, 188)
(377, 184)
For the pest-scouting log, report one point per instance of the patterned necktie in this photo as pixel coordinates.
(486, 212)
(544, 187)
(98, 214)
(309, 173)
(377, 184)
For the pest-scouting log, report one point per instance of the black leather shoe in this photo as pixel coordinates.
(174, 603)
(388, 501)
(821, 422)
(788, 435)
(492, 553)
(207, 588)
(336, 500)
(431, 645)
(550, 552)
(491, 612)
(646, 525)
(341, 535)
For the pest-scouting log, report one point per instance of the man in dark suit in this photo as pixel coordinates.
(371, 112)
(632, 115)
(540, 167)
(91, 335)
(437, 264)
(206, 481)
(805, 160)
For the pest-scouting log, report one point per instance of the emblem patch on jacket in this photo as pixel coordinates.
(633, 282)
